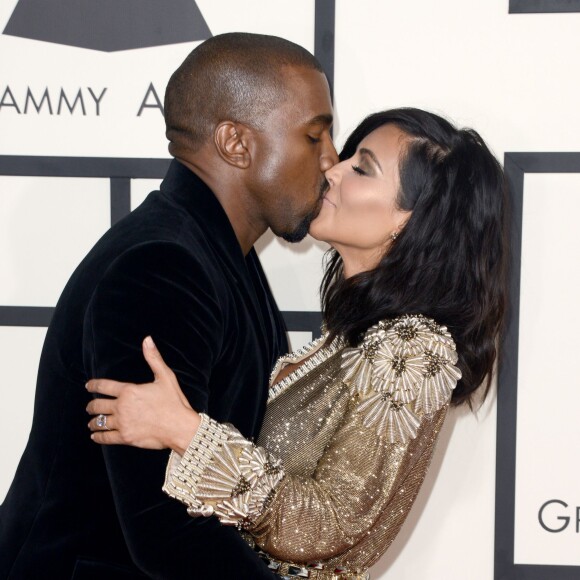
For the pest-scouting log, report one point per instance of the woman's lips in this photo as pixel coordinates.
(328, 201)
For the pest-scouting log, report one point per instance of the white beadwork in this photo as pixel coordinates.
(321, 354)
(297, 355)
(183, 474)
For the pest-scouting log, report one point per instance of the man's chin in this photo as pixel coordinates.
(300, 231)
(296, 235)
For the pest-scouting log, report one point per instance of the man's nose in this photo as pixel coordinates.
(329, 157)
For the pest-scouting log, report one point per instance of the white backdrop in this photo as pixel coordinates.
(512, 77)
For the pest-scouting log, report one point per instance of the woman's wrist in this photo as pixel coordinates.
(185, 428)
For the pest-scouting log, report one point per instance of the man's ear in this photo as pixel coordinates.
(232, 143)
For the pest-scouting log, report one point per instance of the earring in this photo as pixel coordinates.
(394, 236)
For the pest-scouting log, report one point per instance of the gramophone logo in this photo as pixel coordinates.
(108, 25)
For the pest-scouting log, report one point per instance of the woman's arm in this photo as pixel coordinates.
(372, 466)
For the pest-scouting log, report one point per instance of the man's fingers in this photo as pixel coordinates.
(104, 406)
(105, 387)
(107, 437)
(154, 358)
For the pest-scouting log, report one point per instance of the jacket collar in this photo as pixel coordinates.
(184, 188)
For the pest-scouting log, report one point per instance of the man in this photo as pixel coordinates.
(248, 121)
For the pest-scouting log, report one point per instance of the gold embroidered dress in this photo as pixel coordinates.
(344, 448)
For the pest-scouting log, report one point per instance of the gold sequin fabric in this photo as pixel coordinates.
(351, 439)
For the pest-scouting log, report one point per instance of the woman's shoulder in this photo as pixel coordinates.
(409, 332)
(403, 369)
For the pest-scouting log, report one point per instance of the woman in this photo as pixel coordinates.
(413, 299)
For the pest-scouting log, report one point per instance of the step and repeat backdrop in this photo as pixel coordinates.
(82, 144)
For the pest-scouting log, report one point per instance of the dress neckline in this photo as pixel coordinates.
(318, 354)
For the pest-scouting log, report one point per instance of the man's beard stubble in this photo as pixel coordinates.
(301, 230)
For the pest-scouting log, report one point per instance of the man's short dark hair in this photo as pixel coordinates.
(235, 76)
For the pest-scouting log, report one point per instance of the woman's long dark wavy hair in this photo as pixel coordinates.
(449, 262)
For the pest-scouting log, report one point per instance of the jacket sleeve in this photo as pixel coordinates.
(159, 289)
(373, 466)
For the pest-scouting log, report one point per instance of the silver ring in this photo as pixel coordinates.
(102, 422)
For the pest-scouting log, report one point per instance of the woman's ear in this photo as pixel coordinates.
(405, 216)
(231, 141)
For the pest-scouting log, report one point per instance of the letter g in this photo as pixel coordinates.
(565, 519)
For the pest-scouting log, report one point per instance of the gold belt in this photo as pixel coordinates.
(289, 571)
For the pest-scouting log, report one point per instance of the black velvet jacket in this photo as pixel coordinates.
(172, 269)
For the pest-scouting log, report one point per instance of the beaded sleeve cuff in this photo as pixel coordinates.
(224, 474)
(184, 473)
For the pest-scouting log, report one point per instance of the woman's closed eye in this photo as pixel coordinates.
(358, 169)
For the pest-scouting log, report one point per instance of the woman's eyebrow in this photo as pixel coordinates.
(370, 154)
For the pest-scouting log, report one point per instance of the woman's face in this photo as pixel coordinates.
(359, 213)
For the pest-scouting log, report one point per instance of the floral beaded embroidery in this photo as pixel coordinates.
(236, 484)
(403, 368)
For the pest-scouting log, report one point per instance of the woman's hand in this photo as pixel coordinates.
(153, 415)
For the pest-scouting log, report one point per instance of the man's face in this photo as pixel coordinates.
(293, 151)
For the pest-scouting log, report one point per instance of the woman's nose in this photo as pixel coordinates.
(332, 174)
